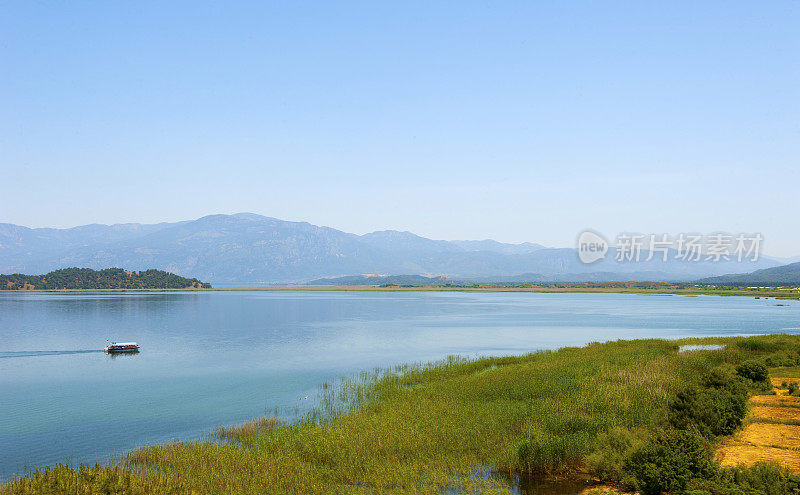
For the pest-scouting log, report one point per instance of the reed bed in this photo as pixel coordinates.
(426, 428)
(248, 431)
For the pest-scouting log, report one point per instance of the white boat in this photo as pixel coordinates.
(122, 347)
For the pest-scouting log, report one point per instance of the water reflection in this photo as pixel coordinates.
(692, 348)
(122, 355)
(525, 485)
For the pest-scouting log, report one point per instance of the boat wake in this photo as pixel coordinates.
(13, 354)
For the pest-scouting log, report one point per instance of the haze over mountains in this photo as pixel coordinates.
(252, 249)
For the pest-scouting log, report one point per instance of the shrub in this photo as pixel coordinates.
(782, 358)
(713, 412)
(716, 408)
(613, 447)
(762, 478)
(670, 461)
(793, 388)
(753, 371)
(721, 377)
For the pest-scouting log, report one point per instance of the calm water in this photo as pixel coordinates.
(224, 357)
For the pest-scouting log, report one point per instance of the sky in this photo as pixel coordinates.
(517, 121)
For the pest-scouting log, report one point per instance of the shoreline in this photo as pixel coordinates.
(761, 293)
(487, 410)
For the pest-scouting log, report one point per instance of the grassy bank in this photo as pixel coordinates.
(418, 429)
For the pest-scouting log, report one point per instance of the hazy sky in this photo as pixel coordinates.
(525, 121)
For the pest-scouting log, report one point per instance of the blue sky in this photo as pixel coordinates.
(518, 121)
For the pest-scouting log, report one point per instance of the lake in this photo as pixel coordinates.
(213, 358)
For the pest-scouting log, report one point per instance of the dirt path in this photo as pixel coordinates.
(762, 440)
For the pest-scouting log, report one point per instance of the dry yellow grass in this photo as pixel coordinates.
(771, 435)
(733, 455)
(778, 381)
(603, 490)
(778, 411)
(765, 442)
(774, 400)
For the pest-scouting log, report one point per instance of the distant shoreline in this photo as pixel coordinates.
(767, 292)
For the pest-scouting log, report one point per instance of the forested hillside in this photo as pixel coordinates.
(110, 278)
(787, 275)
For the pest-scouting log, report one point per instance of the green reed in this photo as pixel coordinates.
(421, 428)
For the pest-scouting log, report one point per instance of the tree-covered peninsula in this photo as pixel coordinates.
(109, 278)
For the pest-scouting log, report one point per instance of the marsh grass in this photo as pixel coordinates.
(431, 427)
(248, 431)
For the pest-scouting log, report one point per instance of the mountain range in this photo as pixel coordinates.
(251, 249)
(786, 275)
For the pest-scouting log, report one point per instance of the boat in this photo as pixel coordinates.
(115, 347)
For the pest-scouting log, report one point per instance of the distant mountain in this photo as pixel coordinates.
(498, 247)
(241, 248)
(525, 278)
(110, 278)
(252, 249)
(406, 242)
(786, 275)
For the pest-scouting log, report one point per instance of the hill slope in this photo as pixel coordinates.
(786, 275)
(110, 278)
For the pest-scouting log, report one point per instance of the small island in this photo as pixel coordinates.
(107, 279)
